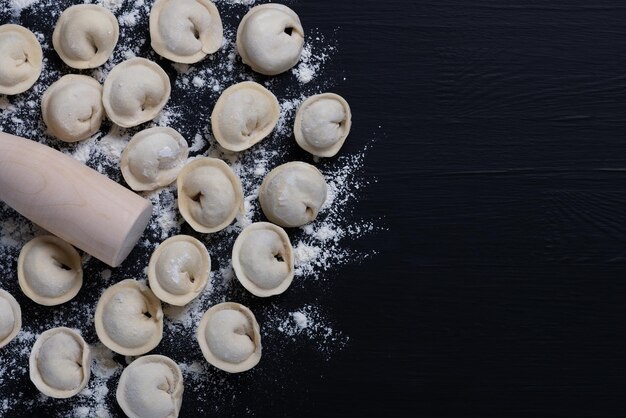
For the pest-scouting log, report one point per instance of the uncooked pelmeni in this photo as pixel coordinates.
(263, 259)
(243, 115)
(72, 107)
(153, 158)
(49, 270)
(20, 59)
(292, 194)
(10, 318)
(85, 35)
(179, 269)
(209, 194)
(129, 319)
(322, 124)
(135, 91)
(270, 38)
(151, 387)
(230, 338)
(60, 363)
(185, 31)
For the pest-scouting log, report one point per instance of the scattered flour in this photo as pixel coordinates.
(129, 18)
(112, 5)
(311, 323)
(18, 5)
(245, 2)
(301, 319)
(311, 61)
(198, 82)
(319, 248)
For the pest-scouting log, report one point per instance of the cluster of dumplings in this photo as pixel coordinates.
(129, 316)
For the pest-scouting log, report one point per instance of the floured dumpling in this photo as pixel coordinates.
(185, 31)
(135, 91)
(230, 338)
(209, 194)
(72, 107)
(153, 158)
(243, 115)
(60, 363)
(292, 194)
(49, 270)
(179, 270)
(129, 319)
(263, 259)
(20, 59)
(10, 318)
(270, 38)
(322, 124)
(85, 35)
(151, 387)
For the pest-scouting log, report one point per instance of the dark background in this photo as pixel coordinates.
(499, 288)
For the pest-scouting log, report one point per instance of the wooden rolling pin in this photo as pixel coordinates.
(71, 200)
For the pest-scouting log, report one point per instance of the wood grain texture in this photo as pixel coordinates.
(499, 156)
(501, 176)
(70, 200)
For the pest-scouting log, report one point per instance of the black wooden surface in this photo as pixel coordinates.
(502, 179)
(499, 289)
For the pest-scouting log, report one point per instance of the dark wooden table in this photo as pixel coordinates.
(499, 288)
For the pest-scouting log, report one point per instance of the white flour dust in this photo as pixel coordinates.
(18, 5)
(319, 247)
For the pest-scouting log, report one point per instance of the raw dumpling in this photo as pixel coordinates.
(135, 91)
(230, 338)
(10, 318)
(270, 38)
(179, 270)
(322, 124)
(243, 115)
(185, 31)
(292, 194)
(263, 259)
(20, 59)
(72, 107)
(49, 270)
(129, 319)
(60, 363)
(153, 158)
(209, 194)
(151, 387)
(85, 35)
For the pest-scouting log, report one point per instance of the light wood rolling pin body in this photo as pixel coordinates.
(71, 200)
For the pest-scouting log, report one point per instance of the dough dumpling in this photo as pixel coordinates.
(135, 91)
(72, 107)
(60, 363)
(263, 259)
(151, 387)
(21, 59)
(129, 319)
(209, 194)
(10, 318)
(243, 115)
(292, 194)
(322, 124)
(230, 338)
(185, 31)
(49, 270)
(270, 38)
(179, 270)
(85, 35)
(153, 158)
